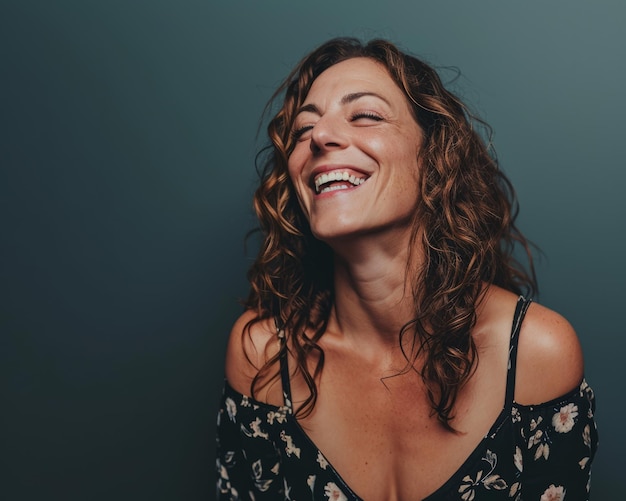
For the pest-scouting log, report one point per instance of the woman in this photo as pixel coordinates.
(386, 352)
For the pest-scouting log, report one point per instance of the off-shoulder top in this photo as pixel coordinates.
(539, 452)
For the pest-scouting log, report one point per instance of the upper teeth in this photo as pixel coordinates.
(337, 176)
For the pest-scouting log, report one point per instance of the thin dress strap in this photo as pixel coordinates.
(284, 367)
(520, 312)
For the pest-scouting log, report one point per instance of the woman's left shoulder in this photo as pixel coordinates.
(549, 358)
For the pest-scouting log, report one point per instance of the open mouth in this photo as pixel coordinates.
(336, 180)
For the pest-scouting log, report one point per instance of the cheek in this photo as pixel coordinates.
(295, 167)
(397, 146)
(294, 163)
(297, 183)
(292, 171)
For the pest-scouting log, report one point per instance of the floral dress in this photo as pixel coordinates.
(540, 452)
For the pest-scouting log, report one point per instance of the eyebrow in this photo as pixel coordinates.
(348, 98)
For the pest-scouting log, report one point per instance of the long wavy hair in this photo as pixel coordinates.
(464, 227)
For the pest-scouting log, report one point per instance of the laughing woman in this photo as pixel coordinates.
(386, 352)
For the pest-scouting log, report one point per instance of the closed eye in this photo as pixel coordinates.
(299, 132)
(366, 115)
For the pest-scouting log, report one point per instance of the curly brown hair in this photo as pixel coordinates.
(464, 225)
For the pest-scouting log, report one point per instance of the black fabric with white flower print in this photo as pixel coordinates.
(542, 452)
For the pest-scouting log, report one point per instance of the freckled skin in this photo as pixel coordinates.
(375, 133)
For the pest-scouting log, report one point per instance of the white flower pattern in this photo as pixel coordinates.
(563, 421)
(280, 416)
(539, 439)
(587, 435)
(516, 417)
(321, 460)
(289, 448)
(553, 493)
(333, 493)
(489, 481)
(231, 409)
(255, 426)
(518, 459)
(515, 490)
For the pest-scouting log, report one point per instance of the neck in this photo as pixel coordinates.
(373, 290)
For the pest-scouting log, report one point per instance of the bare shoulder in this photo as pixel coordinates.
(251, 344)
(549, 359)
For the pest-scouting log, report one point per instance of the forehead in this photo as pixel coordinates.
(354, 75)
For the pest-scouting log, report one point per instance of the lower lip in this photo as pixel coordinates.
(337, 191)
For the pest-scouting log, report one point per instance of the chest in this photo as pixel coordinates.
(382, 437)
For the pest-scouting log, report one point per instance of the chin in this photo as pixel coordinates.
(341, 233)
(331, 227)
(328, 235)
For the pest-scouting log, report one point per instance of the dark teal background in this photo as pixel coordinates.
(126, 151)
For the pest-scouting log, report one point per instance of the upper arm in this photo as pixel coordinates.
(250, 346)
(549, 359)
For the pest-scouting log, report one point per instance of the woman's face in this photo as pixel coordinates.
(354, 165)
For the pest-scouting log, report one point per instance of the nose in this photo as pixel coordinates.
(327, 134)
